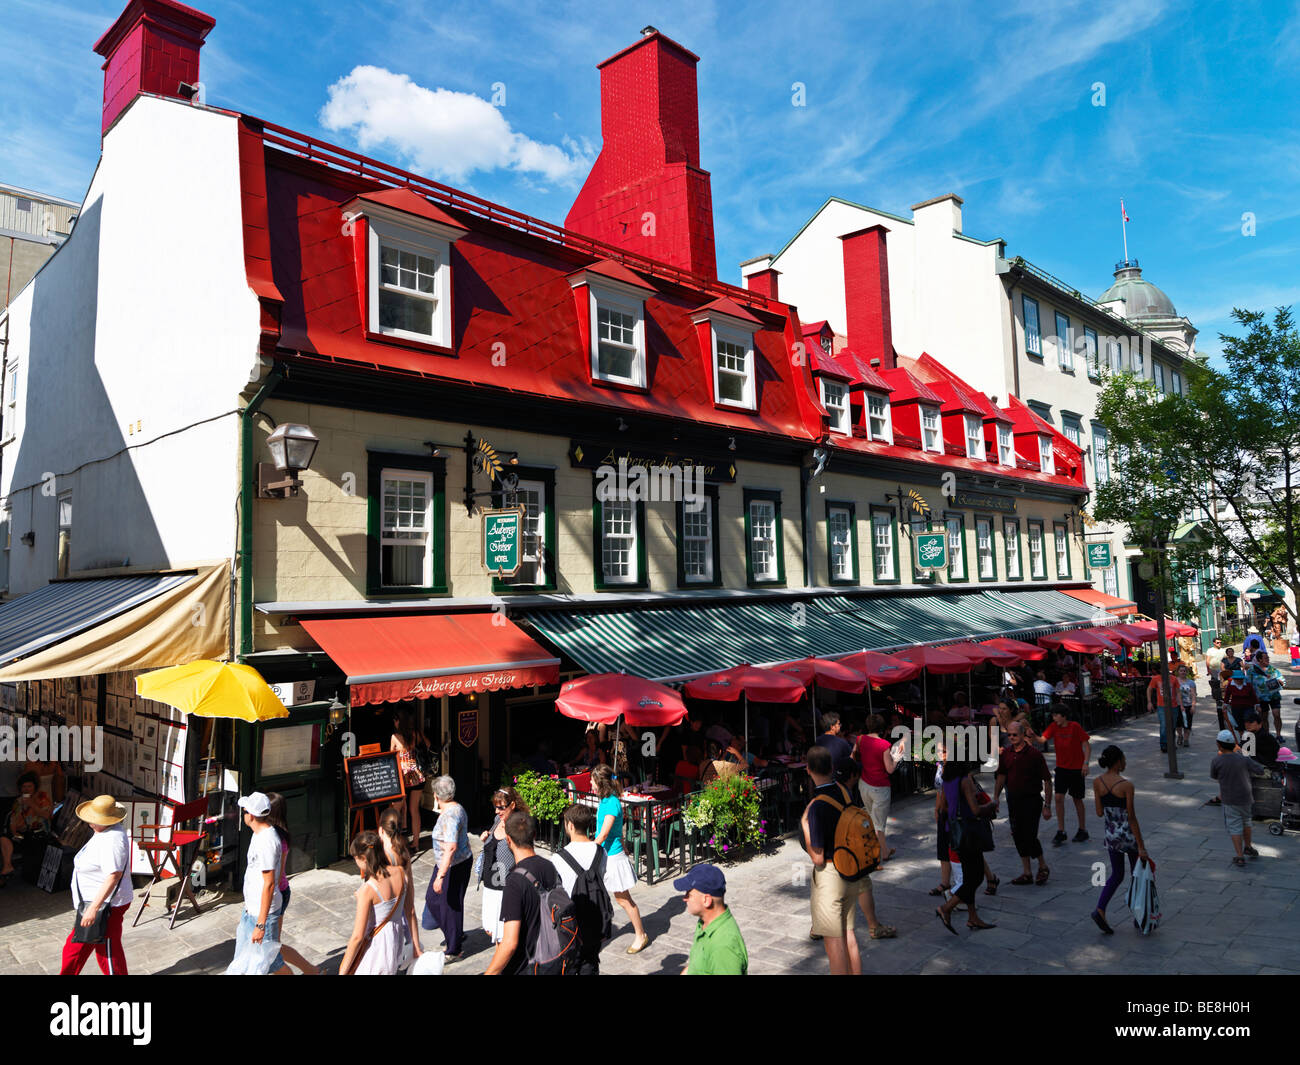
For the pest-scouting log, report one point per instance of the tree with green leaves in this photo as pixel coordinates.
(1226, 453)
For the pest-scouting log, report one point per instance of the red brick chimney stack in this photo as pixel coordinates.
(153, 47)
(646, 191)
(866, 295)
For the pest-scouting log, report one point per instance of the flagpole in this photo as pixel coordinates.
(1123, 217)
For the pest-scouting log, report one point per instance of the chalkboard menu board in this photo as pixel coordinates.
(373, 778)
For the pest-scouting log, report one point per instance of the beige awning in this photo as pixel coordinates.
(182, 624)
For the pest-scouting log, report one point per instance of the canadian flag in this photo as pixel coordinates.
(1123, 213)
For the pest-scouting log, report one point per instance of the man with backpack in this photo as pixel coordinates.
(581, 868)
(540, 926)
(718, 948)
(840, 840)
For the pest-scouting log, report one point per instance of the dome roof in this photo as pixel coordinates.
(1142, 300)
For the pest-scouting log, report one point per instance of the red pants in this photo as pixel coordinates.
(112, 962)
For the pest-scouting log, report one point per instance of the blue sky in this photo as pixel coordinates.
(903, 102)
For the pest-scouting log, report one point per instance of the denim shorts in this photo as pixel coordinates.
(1236, 818)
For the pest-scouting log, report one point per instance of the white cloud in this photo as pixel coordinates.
(445, 134)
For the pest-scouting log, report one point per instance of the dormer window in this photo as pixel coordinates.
(974, 437)
(826, 345)
(1006, 451)
(931, 435)
(733, 378)
(617, 337)
(407, 255)
(1045, 462)
(836, 404)
(879, 426)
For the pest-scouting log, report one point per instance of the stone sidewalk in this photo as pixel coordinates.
(1217, 918)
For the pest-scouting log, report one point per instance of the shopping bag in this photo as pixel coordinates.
(430, 963)
(1143, 900)
(255, 959)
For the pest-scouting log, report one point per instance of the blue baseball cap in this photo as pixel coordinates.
(705, 878)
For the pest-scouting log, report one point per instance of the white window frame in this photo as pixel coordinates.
(1011, 547)
(1176, 382)
(608, 508)
(839, 543)
(885, 415)
(1006, 446)
(397, 474)
(1072, 429)
(537, 557)
(13, 377)
(722, 332)
(6, 540)
(706, 509)
(1091, 351)
(1114, 355)
(1034, 338)
(984, 549)
(1139, 366)
(974, 426)
(931, 423)
(882, 521)
(423, 238)
(1064, 352)
(768, 510)
(956, 548)
(1061, 545)
(1110, 581)
(1158, 375)
(1100, 454)
(624, 301)
(839, 411)
(1046, 460)
(1037, 559)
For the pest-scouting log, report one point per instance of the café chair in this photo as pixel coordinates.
(161, 851)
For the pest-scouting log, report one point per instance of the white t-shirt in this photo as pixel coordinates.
(582, 854)
(263, 857)
(1214, 660)
(1042, 687)
(104, 854)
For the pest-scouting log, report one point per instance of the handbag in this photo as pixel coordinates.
(97, 931)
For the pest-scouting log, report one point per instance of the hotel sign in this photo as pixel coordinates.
(985, 501)
(1099, 556)
(502, 530)
(932, 550)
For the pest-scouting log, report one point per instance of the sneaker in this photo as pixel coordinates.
(1059, 838)
(1081, 836)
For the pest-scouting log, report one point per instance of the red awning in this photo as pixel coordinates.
(388, 659)
(1118, 607)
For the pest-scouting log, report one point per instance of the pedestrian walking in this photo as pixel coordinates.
(1239, 695)
(263, 902)
(278, 816)
(1186, 705)
(101, 890)
(527, 889)
(1233, 771)
(444, 901)
(832, 739)
(495, 860)
(619, 876)
(969, 814)
(1213, 667)
(1023, 772)
(378, 929)
(1073, 753)
(405, 739)
(580, 865)
(1267, 682)
(1157, 702)
(718, 948)
(877, 762)
(398, 853)
(1115, 798)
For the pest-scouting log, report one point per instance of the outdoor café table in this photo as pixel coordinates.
(653, 809)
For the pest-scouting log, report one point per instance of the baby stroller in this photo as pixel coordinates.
(1277, 796)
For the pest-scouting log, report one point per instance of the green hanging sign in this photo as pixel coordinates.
(502, 530)
(932, 550)
(1099, 556)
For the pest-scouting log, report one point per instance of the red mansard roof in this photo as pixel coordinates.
(908, 388)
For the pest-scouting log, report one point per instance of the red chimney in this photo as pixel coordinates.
(152, 47)
(765, 282)
(866, 295)
(646, 191)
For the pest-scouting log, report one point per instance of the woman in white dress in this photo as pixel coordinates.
(399, 855)
(380, 926)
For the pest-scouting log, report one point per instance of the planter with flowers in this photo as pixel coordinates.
(546, 798)
(726, 817)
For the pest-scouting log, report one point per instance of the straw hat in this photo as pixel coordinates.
(102, 810)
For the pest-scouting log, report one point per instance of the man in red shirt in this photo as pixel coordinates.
(1023, 773)
(1073, 752)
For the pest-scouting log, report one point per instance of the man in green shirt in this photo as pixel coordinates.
(718, 949)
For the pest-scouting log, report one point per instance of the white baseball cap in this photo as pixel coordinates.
(256, 804)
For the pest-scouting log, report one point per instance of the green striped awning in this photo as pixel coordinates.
(672, 642)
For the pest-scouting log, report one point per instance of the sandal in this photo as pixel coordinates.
(940, 892)
(979, 927)
(1041, 879)
(1022, 880)
(992, 888)
(1099, 919)
(884, 931)
(946, 919)
(1239, 862)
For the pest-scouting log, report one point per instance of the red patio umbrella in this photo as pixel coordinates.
(933, 660)
(747, 682)
(881, 668)
(1129, 635)
(1088, 643)
(981, 652)
(605, 697)
(1027, 651)
(1180, 628)
(834, 675)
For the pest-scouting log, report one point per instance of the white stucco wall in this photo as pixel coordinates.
(141, 326)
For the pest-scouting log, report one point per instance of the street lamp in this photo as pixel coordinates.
(292, 447)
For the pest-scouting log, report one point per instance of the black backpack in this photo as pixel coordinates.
(591, 901)
(555, 951)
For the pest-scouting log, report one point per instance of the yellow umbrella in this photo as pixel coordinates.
(213, 689)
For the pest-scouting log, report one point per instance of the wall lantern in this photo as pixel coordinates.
(292, 448)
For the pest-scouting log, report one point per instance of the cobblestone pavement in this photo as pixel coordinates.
(1217, 918)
